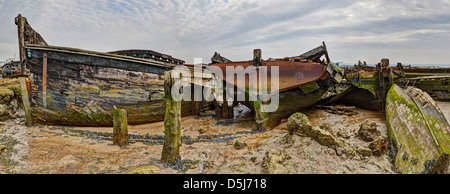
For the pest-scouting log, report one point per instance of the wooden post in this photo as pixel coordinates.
(225, 104)
(257, 59)
(20, 22)
(195, 103)
(196, 106)
(172, 123)
(44, 80)
(25, 100)
(120, 127)
(326, 52)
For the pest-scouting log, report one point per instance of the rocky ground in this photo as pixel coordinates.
(323, 139)
(56, 149)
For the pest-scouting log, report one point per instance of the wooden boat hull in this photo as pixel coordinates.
(418, 131)
(81, 87)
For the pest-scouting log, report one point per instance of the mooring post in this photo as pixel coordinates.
(225, 104)
(196, 105)
(257, 59)
(25, 100)
(120, 127)
(260, 117)
(44, 80)
(172, 122)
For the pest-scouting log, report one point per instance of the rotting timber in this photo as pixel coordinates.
(77, 87)
(303, 81)
(418, 131)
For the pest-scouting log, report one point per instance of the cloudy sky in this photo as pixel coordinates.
(409, 31)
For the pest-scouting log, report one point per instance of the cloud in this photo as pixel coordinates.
(406, 30)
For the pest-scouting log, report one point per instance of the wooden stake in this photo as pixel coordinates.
(172, 123)
(257, 57)
(44, 81)
(25, 100)
(20, 22)
(120, 127)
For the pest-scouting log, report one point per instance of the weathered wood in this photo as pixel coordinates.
(20, 22)
(225, 113)
(172, 123)
(25, 100)
(44, 81)
(257, 57)
(417, 130)
(84, 94)
(196, 106)
(120, 129)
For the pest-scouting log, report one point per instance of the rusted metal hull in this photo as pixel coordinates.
(418, 131)
(301, 85)
(292, 74)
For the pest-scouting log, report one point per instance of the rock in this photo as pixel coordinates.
(363, 151)
(343, 134)
(191, 164)
(379, 147)
(277, 162)
(368, 131)
(287, 139)
(324, 137)
(299, 124)
(6, 95)
(340, 151)
(145, 170)
(3, 149)
(4, 111)
(239, 145)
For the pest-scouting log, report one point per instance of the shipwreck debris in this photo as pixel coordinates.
(303, 81)
(417, 130)
(69, 86)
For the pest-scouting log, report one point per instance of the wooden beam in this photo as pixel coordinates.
(257, 57)
(20, 22)
(25, 100)
(44, 81)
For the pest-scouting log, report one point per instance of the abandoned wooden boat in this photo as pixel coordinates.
(11, 69)
(303, 81)
(71, 86)
(370, 84)
(418, 131)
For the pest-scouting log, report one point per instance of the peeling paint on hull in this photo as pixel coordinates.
(82, 89)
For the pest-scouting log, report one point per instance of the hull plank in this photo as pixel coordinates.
(82, 90)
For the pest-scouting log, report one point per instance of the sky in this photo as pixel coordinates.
(407, 31)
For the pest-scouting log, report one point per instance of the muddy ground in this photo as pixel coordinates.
(208, 147)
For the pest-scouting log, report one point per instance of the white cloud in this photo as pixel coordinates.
(188, 29)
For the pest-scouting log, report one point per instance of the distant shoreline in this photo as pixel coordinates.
(404, 65)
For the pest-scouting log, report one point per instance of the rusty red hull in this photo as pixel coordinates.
(292, 74)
